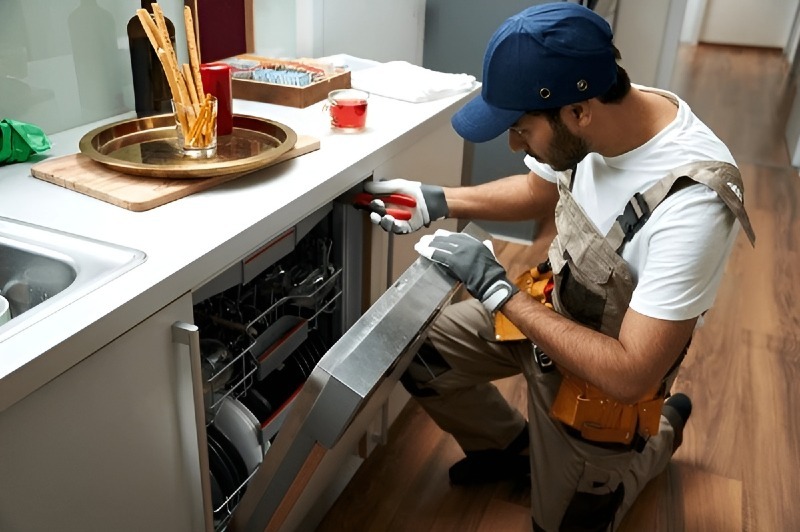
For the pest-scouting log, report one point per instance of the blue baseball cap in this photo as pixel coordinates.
(545, 57)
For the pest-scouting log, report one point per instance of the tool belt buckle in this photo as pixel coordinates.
(542, 360)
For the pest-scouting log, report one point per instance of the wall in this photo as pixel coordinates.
(693, 21)
(748, 22)
(381, 30)
(647, 33)
(61, 75)
(275, 28)
(64, 63)
(456, 34)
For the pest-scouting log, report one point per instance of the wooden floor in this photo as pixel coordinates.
(739, 466)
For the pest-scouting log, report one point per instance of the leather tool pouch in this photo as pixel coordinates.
(599, 418)
(579, 404)
(536, 282)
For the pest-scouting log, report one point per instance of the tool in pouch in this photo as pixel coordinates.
(380, 204)
(579, 404)
(537, 283)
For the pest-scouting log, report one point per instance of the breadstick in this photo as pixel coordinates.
(194, 58)
(173, 85)
(161, 24)
(182, 94)
(150, 28)
(187, 76)
(208, 126)
(161, 36)
(156, 40)
(211, 124)
(199, 122)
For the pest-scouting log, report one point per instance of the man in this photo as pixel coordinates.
(645, 200)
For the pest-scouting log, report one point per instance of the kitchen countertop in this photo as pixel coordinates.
(190, 240)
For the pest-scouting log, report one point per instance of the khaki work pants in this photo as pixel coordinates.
(564, 470)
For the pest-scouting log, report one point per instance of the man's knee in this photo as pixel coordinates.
(424, 368)
(592, 511)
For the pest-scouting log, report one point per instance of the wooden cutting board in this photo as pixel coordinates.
(81, 174)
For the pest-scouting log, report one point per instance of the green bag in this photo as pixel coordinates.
(18, 141)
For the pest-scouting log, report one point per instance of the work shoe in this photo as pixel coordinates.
(494, 465)
(677, 409)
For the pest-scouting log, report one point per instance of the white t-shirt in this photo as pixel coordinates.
(678, 257)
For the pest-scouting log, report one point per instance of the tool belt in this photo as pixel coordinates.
(579, 404)
(599, 418)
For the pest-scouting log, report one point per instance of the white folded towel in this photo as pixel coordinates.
(411, 83)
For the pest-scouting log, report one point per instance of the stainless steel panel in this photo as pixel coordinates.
(358, 372)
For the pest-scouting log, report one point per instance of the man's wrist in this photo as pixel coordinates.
(498, 295)
(435, 202)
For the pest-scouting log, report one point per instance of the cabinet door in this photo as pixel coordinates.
(435, 160)
(111, 444)
(352, 380)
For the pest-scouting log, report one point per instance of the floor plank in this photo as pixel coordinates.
(654, 510)
(710, 503)
(741, 94)
(502, 515)
(707, 502)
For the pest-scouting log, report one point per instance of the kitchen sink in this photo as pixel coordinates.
(43, 270)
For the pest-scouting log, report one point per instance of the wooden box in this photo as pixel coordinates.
(260, 91)
(225, 30)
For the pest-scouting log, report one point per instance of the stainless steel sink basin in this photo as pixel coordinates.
(42, 270)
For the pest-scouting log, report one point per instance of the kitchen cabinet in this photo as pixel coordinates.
(113, 441)
(97, 424)
(111, 444)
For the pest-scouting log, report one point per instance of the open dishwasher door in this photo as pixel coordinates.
(355, 376)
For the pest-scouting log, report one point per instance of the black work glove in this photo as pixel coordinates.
(431, 204)
(472, 262)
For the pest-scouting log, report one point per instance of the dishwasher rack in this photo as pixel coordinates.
(260, 341)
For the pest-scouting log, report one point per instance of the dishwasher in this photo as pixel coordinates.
(290, 362)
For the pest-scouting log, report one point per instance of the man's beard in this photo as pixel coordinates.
(566, 150)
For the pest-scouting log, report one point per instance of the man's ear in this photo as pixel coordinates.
(578, 114)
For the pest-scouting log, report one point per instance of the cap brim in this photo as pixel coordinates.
(480, 122)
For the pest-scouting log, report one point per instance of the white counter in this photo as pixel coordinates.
(189, 241)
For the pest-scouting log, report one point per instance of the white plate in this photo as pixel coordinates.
(241, 431)
(255, 422)
(5, 310)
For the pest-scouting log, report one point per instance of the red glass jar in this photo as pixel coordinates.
(217, 82)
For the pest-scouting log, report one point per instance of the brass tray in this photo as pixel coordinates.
(148, 147)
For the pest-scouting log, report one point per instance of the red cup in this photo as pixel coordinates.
(348, 108)
(217, 82)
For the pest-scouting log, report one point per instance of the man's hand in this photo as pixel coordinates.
(472, 262)
(431, 204)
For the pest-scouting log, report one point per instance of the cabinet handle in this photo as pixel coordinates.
(189, 335)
